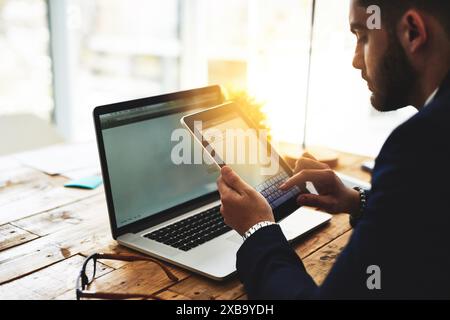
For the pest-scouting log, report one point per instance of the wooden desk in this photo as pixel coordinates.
(47, 230)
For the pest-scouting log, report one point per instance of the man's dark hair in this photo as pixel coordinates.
(392, 10)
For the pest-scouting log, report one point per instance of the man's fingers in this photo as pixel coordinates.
(233, 180)
(227, 194)
(312, 200)
(307, 163)
(308, 155)
(225, 191)
(222, 186)
(317, 177)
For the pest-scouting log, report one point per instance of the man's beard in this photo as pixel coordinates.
(394, 80)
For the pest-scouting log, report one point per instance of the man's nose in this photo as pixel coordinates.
(357, 61)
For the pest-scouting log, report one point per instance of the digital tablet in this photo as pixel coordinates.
(231, 138)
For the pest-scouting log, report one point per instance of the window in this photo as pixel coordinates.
(260, 45)
(107, 51)
(340, 114)
(121, 50)
(25, 66)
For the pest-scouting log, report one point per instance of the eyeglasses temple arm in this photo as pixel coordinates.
(108, 295)
(123, 257)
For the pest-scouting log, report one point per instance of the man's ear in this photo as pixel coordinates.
(413, 32)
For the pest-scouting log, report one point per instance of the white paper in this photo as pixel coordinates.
(82, 173)
(7, 163)
(61, 158)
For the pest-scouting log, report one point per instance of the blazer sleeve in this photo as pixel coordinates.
(403, 221)
(271, 269)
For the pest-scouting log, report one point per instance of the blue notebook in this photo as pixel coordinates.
(85, 183)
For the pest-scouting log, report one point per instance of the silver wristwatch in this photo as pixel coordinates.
(256, 227)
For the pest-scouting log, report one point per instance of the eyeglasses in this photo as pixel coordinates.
(89, 268)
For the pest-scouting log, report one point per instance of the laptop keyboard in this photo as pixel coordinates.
(276, 197)
(191, 232)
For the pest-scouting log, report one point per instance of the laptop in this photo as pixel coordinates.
(165, 209)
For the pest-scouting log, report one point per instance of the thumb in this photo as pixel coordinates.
(317, 201)
(233, 180)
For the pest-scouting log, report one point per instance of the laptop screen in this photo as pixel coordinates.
(138, 147)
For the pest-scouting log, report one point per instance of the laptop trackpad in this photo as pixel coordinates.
(301, 221)
(236, 238)
(296, 224)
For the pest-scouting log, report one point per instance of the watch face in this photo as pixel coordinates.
(256, 227)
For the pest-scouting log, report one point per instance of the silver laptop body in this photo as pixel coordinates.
(145, 191)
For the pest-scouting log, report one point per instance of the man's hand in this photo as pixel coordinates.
(333, 196)
(242, 206)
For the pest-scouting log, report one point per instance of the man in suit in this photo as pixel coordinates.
(402, 226)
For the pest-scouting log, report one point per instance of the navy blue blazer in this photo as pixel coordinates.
(405, 230)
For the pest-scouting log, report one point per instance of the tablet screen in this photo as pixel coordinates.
(241, 147)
